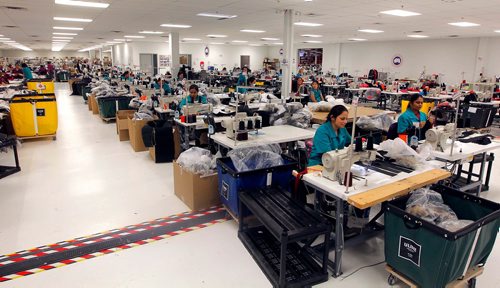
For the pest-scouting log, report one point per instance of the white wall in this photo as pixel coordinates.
(492, 61)
(219, 55)
(14, 53)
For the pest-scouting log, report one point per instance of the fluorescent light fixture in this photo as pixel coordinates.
(82, 3)
(497, 31)
(277, 43)
(255, 45)
(308, 0)
(370, 31)
(191, 39)
(270, 39)
(67, 28)
(4, 39)
(1, 35)
(311, 35)
(9, 41)
(113, 42)
(120, 40)
(67, 34)
(72, 19)
(216, 15)
(356, 39)
(134, 36)
(151, 32)
(217, 43)
(312, 41)
(417, 36)
(307, 24)
(216, 36)
(60, 40)
(464, 24)
(19, 46)
(61, 37)
(400, 13)
(176, 25)
(252, 31)
(239, 41)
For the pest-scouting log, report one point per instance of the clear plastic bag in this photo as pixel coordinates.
(455, 225)
(320, 106)
(198, 161)
(429, 205)
(246, 159)
(398, 150)
(377, 122)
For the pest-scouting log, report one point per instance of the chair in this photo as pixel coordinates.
(392, 133)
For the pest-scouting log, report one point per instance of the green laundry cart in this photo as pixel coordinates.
(109, 105)
(431, 256)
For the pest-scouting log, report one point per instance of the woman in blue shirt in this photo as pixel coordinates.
(27, 72)
(242, 79)
(413, 117)
(315, 93)
(193, 97)
(331, 135)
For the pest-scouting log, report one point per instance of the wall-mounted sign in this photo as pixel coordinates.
(164, 61)
(397, 60)
(282, 51)
(207, 51)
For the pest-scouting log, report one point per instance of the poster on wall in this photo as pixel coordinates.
(397, 60)
(164, 61)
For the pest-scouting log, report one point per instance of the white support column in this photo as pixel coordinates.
(481, 60)
(174, 52)
(100, 55)
(287, 61)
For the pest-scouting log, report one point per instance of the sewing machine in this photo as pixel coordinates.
(196, 108)
(439, 135)
(237, 127)
(338, 162)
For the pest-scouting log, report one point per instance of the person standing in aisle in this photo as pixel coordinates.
(242, 79)
(27, 72)
(50, 70)
(315, 94)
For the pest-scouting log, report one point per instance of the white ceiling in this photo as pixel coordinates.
(341, 19)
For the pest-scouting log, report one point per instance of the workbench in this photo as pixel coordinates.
(379, 188)
(320, 117)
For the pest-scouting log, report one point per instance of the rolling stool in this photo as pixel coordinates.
(478, 159)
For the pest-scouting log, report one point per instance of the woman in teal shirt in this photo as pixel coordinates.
(193, 97)
(413, 117)
(315, 94)
(27, 72)
(331, 135)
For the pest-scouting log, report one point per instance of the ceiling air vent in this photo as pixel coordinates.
(116, 31)
(453, 36)
(10, 26)
(417, 31)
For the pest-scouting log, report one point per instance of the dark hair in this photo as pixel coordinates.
(336, 111)
(251, 79)
(24, 65)
(315, 81)
(413, 98)
(194, 86)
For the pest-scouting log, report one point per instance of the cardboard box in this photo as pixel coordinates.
(122, 124)
(195, 191)
(89, 102)
(152, 153)
(93, 103)
(135, 133)
(177, 143)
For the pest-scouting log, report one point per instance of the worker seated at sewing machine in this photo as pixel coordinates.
(193, 97)
(413, 118)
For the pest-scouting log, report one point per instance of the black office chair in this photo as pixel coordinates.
(392, 133)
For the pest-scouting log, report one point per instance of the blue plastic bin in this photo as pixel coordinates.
(232, 182)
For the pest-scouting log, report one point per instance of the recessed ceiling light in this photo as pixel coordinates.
(400, 13)
(312, 41)
(417, 36)
(216, 36)
(61, 37)
(68, 34)
(191, 39)
(134, 36)
(270, 39)
(119, 39)
(9, 41)
(254, 44)
(307, 24)
(216, 15)
(464, 24)
(311, 35)
(356, 39)
(67, 28)
(175, 25)
(370, 31)
(151, 32)
(72, 19)
(217, 43)
(82, 3)
(308, 0)
(239, 41)
(252, 31)
(4, 39)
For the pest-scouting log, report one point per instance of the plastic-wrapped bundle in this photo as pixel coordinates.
(429, 205)
(246, 159)
(455, 225)
(320, 106)
(398, 150)
(380, 121)
(198, 161)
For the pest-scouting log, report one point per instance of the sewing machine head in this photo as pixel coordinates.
(439, 135)
(337, 163)
(239, 125)
(196, 108)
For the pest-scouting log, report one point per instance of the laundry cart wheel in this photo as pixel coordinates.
(391, 280)
(54, 138)
(472, 283)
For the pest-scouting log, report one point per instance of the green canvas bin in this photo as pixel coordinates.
(85, 90)
(431, 256)
(109, 105)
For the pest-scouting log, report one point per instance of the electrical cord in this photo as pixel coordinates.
(360, 268)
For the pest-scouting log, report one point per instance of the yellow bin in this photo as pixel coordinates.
(41, 86)
(426, 107)
(34, 115)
